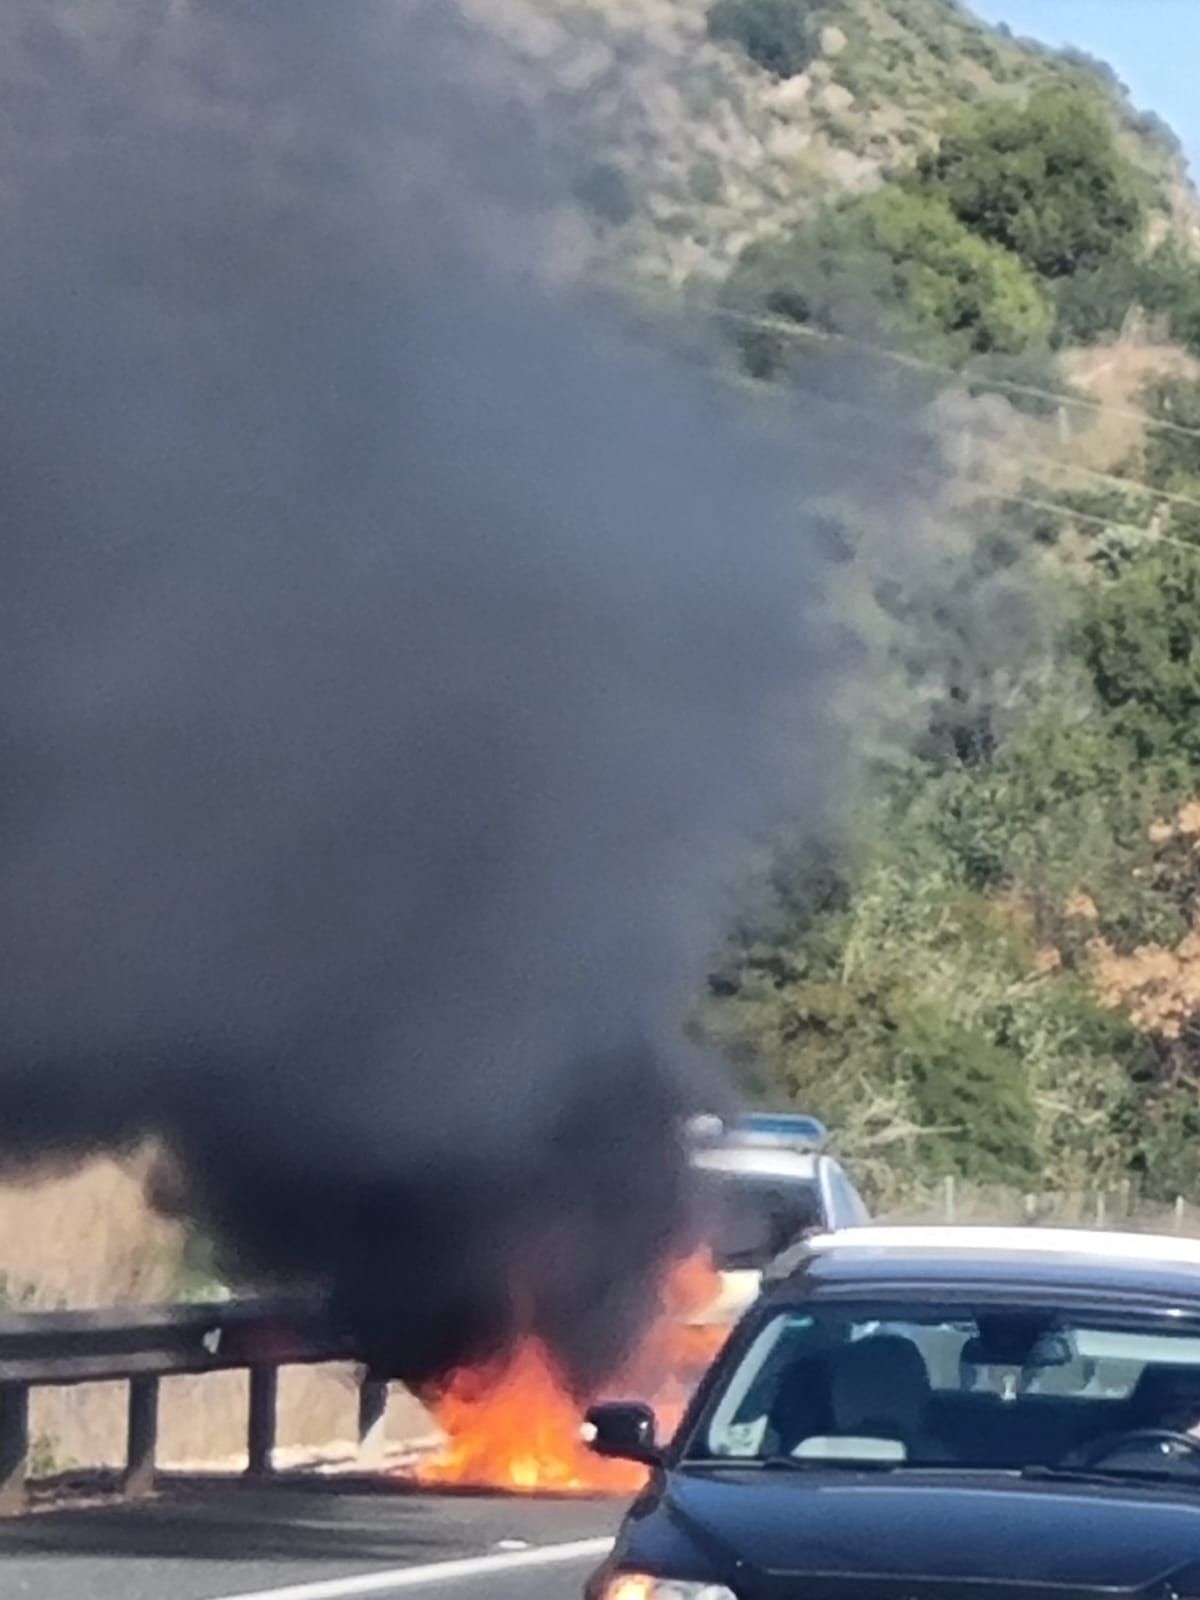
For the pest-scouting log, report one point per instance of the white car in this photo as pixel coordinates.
(770, 1182)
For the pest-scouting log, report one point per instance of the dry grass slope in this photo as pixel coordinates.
(88, 1238)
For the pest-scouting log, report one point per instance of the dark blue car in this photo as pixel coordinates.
(908, 1414)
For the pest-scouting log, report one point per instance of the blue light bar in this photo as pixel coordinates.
(778, 1128)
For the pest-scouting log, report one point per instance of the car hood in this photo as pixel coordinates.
(925, 1531)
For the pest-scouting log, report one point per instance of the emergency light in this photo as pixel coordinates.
(769, 1129)
(778, 1128)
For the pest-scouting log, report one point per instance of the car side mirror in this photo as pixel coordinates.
(626, 1431)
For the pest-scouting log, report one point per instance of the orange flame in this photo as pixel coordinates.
(514, 1425)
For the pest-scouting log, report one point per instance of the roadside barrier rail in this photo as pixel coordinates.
(141, 1346)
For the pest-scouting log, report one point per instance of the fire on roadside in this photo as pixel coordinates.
(514, 1424)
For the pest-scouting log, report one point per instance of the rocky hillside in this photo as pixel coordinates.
(686, 147)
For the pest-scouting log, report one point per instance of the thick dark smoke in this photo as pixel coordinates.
(391, 664)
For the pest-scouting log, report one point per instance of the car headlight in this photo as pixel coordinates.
(639, 1586)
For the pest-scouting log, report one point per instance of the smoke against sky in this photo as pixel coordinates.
(392, 662)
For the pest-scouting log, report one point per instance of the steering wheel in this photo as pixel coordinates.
(1149, 1436)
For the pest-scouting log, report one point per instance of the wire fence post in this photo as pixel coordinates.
(949, 1200)
(1180, 1213)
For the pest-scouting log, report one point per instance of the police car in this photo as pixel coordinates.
(767, 1180)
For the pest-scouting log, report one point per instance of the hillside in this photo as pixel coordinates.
(703, 150)
(988, 967)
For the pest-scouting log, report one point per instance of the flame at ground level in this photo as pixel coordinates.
(514, 1424)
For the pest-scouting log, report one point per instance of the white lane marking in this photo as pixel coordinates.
(551, 1555)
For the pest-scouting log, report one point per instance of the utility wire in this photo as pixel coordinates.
(800, 332)
(1049, 507)
(797, 331)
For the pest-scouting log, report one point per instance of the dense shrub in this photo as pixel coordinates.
(1170, 287)
(1045, 180)
(899, 260)
(1095, 301)
(1140, 639)
(780, 35)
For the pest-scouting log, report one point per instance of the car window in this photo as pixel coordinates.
(987, 1387)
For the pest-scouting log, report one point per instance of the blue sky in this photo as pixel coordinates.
(1154, 45)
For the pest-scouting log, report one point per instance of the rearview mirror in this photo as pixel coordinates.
(626, 1431)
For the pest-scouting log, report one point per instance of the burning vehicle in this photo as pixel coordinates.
(769, 1180)
(765, 1181)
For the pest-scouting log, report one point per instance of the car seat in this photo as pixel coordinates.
(879, 1390)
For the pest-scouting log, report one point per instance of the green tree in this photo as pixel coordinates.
(900, 260)
(971, 1095)
(1140, 639)
(1170, 286)
(1096, 300)
(1044, 180)
(778, 34)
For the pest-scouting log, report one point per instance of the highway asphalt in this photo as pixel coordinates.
(305, 1539)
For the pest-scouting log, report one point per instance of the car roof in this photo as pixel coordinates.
(758, 1162)
(1001, 1262)
(1029, 1242)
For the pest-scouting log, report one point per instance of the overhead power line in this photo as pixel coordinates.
(801, 332)
(1113, 479)
(1149, 535)
(1046, 506)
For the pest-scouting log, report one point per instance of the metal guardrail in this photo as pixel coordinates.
(143, 1346)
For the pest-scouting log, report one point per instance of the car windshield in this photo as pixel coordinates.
(972, 1387)
(751, 1217)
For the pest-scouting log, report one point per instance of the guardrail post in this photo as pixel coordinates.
(264, 1395)
(14, 1447)
(141, 1437)
(372, 1420)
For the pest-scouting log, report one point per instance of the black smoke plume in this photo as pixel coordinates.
(393, 659)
